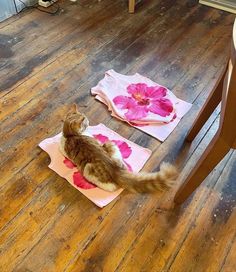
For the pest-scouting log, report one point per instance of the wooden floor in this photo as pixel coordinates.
(47, 62)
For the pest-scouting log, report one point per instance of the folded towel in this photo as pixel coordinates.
(141, 102)
(134, 157)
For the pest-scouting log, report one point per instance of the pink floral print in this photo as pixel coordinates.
(78, 179)
(69, 163)
(124, 148)
(81, 181)
(144, 99)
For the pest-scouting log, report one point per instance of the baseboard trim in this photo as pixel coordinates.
(11, 10)
(226, 6)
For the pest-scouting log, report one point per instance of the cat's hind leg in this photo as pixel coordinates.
(114, 152)
(90, 174)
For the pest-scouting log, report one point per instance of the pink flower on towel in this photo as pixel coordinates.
(82, 182)
(101, 138)
(124, 148)
(144, 99)
(78, 179)
(69, 163)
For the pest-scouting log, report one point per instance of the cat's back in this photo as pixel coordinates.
(85, 146)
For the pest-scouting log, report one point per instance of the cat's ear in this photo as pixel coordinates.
(74, 108)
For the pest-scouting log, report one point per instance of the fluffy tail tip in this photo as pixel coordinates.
(169, 173)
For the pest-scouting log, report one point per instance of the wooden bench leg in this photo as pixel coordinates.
(208, 108)
(131, 6)
(214, 153)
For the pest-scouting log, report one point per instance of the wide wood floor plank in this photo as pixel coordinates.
(43, 53)
(230, 263)
(213, 229)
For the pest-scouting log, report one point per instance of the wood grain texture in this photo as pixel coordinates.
(47, 62)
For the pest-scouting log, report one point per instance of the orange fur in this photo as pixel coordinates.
(98, 164)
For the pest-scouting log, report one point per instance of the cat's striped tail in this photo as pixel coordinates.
(148, 182)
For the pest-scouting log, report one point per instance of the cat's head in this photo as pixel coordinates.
(75, 122)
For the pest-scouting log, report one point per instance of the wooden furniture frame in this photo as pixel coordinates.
(131, 6)
(225, 138)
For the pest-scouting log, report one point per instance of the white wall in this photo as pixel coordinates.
(7, 7)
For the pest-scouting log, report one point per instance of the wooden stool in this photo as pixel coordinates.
(225, 138)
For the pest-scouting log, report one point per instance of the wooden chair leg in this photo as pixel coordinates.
(208, 108)
(214, 153)
(131, 6)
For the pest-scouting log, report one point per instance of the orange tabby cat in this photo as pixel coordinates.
(102, 164)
